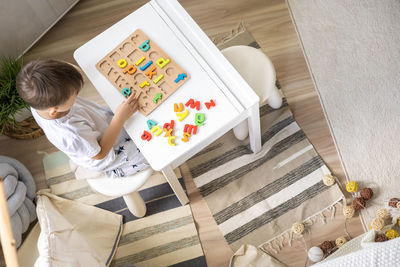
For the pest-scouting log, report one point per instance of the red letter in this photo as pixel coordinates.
(146, 136)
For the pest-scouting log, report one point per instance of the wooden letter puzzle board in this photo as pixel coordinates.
(140, 65)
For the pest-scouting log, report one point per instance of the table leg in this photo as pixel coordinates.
(175, 185)
(254, 128)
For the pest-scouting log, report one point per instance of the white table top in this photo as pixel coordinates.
(200, 86)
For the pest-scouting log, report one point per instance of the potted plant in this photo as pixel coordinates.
(16, 121)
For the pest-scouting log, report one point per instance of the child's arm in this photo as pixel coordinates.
(123, 112)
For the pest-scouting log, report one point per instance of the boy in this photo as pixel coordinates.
(87, 132)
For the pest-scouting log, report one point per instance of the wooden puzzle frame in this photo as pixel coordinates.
(137, 65)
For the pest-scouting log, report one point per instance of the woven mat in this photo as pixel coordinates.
(256, 198)
(165, 236)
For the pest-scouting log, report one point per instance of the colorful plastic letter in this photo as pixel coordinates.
(158, 79)
(171, 140)
(190, 129)
(151, 124)
(122, 63)
(130, 69)
(182, 115)
(140, 61)
(157, 97)
(193, 104)
(143, 84)
(185, 137)
(199, 119)
(169, 125)
(162, 62)
(146, 136)
(168, 132)
(156, 130)
(180, 77)
(126, 91)
(176, 109)
(146, 65)
(151, 72)
(145, 46)
(210, 104)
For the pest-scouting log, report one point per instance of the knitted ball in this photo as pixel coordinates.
(398, 205)
(328, 179)
(393, 202)
(326, 246)
(380, 238)
(366, 193)
(383, 214)
(390, 234)
(315, 254)
(340, 241)
(377, 224)
(298, 228)
(348, 212)
(358, 203)
(352, 186)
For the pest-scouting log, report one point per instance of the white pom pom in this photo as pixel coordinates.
(315, 254)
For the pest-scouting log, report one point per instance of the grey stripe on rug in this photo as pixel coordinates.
(251, 196)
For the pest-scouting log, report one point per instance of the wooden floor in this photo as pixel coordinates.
(269, 22)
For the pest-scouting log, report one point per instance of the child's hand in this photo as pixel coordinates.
(126, 109)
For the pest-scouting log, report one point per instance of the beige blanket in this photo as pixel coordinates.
(75, 234)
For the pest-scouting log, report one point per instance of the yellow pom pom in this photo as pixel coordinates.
(348, 212)
(340, 241)
(352, 187)
(377, 224)
(328, 179)
(298, 228)
(390, 234)
(383, 214)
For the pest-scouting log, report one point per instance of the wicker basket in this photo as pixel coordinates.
(25, 130)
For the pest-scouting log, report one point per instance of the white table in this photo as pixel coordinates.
(212, 77)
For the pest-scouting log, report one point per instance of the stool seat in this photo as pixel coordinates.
(120, 186)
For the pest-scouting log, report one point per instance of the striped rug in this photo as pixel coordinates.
(166, 236)
(256, 198)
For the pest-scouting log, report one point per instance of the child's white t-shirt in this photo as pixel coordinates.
(77, 134)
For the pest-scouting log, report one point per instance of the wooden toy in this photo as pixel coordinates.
(210, 104)
(126, 91)
(171, 140)
(156, 130)
(182, 115)
(193, 104)
(157, 97)
(146, 136)
(199, 119)
(168, 132)
(148, 69)
(180, 77)
(169, 125)
(190, 129)
(176, 109)
(185, 137)
(151, 124)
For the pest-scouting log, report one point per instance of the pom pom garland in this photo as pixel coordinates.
(393, 202)
(340, 241)
(382, 214)
(377, 224)
(315, 254)
(298, 228)
(326, 246)
(381, 238)
(328, 180)
(348, 212)
(398, 205)
(352, 187)
(366, 193)
(391, 234)
(358, 203)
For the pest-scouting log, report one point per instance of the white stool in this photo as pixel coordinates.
(126, 187)
(257, 69)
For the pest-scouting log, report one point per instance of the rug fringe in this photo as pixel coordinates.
(278, 242)
(221, 38)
